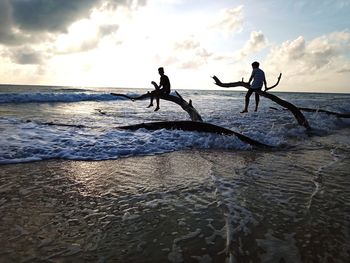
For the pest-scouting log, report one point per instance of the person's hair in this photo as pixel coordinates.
(161, 68)
(255, 64)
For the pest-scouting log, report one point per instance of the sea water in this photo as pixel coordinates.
(39, 123)
(101, 194)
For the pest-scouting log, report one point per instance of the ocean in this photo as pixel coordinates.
(74, 187)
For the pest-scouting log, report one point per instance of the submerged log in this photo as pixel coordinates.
(337, 114)
(186, 106)
(296, 112)
(194, 126)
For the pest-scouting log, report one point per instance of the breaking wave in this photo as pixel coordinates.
(42, 97)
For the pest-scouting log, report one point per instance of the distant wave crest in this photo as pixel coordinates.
(55, 97)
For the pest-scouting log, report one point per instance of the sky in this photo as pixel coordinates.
(121, 43)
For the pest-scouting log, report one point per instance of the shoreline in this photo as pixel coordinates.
(181, 206)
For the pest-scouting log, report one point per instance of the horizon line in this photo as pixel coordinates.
(207, 89)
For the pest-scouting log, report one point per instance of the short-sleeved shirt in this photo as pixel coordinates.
(258, 78)
(165, 83)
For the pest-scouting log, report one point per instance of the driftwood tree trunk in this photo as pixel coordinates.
(296, 112)
(186, 106)
(193, 126)
(196, 124)
(337, 114)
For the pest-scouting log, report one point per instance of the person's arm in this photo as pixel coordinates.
(161, 82)
(251, 77)
(155, 85)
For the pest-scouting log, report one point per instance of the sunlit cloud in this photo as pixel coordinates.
(230, 20)
(123, 42)
(256, 42)
(312, 62)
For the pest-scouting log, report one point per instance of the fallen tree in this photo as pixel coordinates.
(337, 114)
(193, 126)
(196, 123)
(186, 106)
(296, 112)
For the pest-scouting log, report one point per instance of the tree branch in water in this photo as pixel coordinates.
(193, 126)
(186, 106)
(296, 112)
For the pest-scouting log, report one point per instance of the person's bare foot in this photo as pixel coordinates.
(156, 109)
(149, 106)
(244, 111)
(256, 110)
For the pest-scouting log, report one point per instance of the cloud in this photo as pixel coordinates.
(230, 20)
(27, 56)
(7, 34)
(303, 57)
(49, 15)
(256, 42)
(31, 30)
(344, 70)
(30, 18)
(186, 44)
(91, 41)
(312, 63)
(107, 29)
(53, 15)
(190, 54)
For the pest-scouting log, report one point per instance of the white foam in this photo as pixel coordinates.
(24, 142)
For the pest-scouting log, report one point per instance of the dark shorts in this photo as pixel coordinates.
(250, 91)
(160, 92)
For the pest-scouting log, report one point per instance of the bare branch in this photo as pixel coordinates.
(188, 107)
(242, 83)
(231, 84)
(296, 112)
(278, 81)
(141, 97)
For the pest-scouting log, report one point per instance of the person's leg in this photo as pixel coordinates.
(153, 93)
(151, 102)
(247, 96)
(159, 93)
(257, 99)
(157, 100)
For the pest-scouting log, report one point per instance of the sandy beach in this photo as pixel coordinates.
(192, 206)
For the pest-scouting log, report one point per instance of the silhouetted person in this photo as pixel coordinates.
(162, 89)
(258, 77)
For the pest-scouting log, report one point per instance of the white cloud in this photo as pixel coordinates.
(256, 42)
(83, 36)
(311, 63)
(230, 20)
(187, 44)
(190, 54)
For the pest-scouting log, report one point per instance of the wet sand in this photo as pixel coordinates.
(193, 206)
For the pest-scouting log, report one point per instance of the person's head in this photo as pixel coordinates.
(161, 71)
(255, 64)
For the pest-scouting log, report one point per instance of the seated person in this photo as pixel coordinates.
(162, 88)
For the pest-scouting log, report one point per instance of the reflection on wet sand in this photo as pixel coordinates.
(192, 206)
